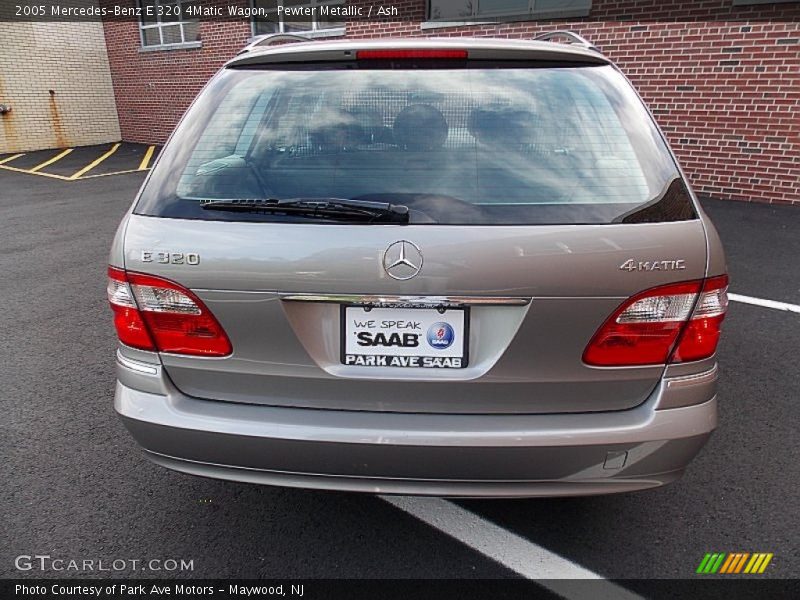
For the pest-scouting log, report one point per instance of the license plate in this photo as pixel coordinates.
(405, 337)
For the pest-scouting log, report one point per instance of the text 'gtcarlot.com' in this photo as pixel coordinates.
(45, 562)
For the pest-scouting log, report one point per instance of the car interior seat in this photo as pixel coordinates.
(420, 127)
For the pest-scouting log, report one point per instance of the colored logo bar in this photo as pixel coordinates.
(734, 563)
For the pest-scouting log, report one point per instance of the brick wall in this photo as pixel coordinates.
(68, 59)
(154, 88)
(723, 83)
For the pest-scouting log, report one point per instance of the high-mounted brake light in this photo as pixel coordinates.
(409, 53)
(664, 324)
(151, 313)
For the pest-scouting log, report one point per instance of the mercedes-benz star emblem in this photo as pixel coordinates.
(402, 260)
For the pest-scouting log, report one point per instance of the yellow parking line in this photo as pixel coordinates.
(94, 163)
(27, 172)
(108, 174)
(51, 161)
(10, 158)
(146, 160)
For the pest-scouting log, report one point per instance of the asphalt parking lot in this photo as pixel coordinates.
(77, 486)
(83, 162)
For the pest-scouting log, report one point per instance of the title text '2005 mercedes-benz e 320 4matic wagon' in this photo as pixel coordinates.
(449, 267)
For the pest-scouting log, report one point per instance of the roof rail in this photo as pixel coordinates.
(272, 38)
(574, 39)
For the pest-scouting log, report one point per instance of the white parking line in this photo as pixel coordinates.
(765, 303)
(514, 552)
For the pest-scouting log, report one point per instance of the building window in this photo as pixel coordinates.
(746, 2)
(316, 17)
(166, 23)
(466, 10)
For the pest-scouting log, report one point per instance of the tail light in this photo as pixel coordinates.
(156, 314)
(666, 322)
(410, 53)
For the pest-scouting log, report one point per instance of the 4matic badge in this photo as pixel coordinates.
(653, 265)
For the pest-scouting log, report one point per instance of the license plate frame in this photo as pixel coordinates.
(405, 311)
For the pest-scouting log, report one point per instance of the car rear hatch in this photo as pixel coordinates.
(540, 198)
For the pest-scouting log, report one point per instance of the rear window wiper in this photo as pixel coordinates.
(335, 209)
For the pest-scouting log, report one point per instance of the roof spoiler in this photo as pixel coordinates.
(572, 37)
(272, 38)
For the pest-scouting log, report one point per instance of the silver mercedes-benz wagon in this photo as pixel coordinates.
(453, 267)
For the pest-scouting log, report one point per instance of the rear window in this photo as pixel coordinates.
(477, 145)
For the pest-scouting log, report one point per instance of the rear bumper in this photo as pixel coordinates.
(430, 454)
